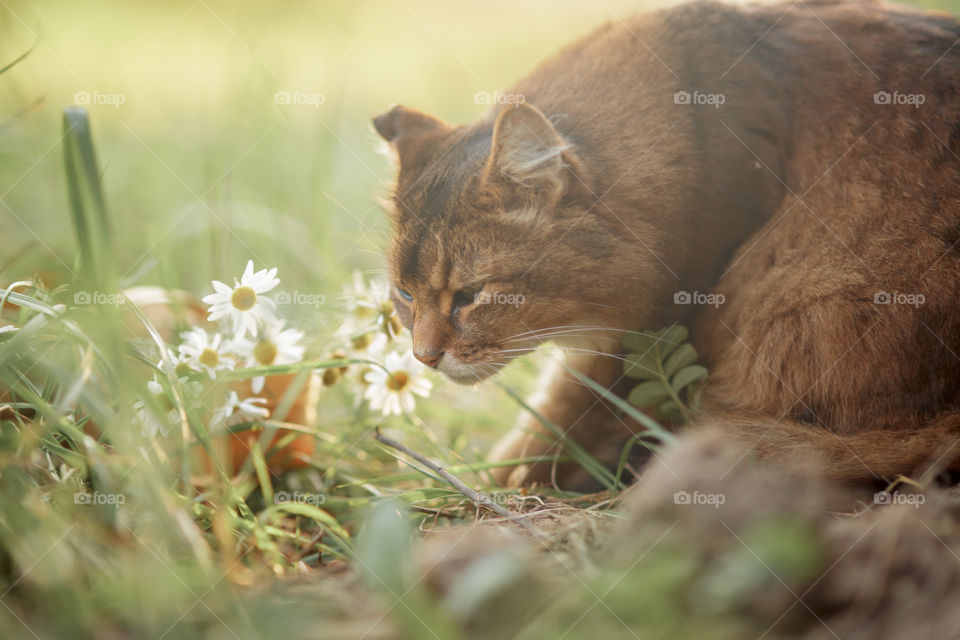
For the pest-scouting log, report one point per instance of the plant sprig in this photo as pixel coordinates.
(667, 367)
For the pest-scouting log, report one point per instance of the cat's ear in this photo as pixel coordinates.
(407, 130)
(527, 151)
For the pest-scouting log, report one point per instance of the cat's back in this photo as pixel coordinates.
(784, 67)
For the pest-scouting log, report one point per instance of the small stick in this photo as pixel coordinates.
(479, 499)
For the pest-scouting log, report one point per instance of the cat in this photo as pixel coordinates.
(796, 164)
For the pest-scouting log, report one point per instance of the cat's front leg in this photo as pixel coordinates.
(582, 415)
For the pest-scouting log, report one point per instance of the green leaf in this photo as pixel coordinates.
(648, 394)
(310, 511)
(21, 57)
(653, 427)
(639, 342)
(683, 356)
(580, 455)
(687, 376)
(671, 338)
(96, 266)
(481, 581)
(263, 475)
(427, 493)
(383, 547)
(642, 367)
(669, 409)
(624, 456)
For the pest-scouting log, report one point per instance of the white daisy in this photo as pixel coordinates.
(157, 417)
(236, 410)
(392, 393)
(364, 300)
(370, 308)
(371, 345)
(204, 353)
(244, 304)
(275, 346)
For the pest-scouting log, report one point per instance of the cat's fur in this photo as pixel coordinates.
(799, 199)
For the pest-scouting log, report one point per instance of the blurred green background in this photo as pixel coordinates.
(202, 167)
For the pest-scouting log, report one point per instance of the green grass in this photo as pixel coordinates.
(196, 172)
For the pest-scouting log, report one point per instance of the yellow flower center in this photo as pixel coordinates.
(164, 403)
(386, 308)
(209, 357)
(243, 298)
(363, 312)
(398, 380)
(265, 352)
(330, 377)
(362, 342)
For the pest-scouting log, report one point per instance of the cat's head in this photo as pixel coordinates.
(497, 243)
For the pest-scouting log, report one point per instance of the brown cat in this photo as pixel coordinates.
(798, 159)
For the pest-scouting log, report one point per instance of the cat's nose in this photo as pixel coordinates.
(429, 359)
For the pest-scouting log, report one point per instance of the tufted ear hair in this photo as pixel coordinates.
(528, 151)
(407, 130)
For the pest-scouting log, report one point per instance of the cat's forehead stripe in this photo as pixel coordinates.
(439, 273)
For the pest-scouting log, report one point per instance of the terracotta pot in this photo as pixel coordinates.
(303, 412)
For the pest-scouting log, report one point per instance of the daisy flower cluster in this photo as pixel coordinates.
(247, 333)
(372, 331)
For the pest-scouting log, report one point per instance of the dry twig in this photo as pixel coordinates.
(479, 499)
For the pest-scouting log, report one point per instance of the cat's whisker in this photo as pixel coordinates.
(585, 327)
(519, 353)
(579, 327)
(548, 336)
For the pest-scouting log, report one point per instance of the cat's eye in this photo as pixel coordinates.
(403, 294)
(464, 298)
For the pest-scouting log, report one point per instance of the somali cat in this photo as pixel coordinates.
(801, 160)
